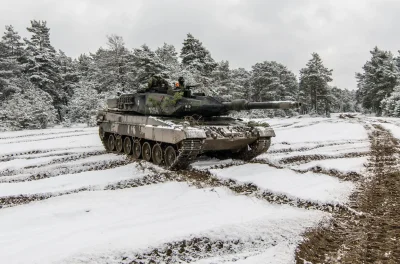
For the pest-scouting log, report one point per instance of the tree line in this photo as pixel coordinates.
(41, 86)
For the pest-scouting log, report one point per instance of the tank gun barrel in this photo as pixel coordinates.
(239, 105)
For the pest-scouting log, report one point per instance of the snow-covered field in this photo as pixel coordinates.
(57, 208)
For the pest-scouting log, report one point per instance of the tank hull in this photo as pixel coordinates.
(176, 142)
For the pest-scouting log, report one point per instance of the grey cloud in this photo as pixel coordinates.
(243, 32)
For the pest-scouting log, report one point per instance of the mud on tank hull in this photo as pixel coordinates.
(175, 143)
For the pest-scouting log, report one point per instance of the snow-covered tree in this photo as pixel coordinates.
(83, 65)
(314, 80)
(240, 84)
(342, 100)
(42, 66)
(197, 60)
(85, 103)
(12, 41)
(10, 52)
(145, 64)
(272, 81)
(28, 108)
(167, 54)
(391, 105)
(222, 80)
(380, 76)
(69, 75)
(169, 58)
(110, 66)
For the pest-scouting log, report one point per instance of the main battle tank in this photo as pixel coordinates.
(171, 128)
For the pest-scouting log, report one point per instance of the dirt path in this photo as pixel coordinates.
(372, 235)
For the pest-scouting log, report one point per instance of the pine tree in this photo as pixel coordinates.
(83, 65)
(167, 54)
(28, 108)
(378, 80)
(12, 42)
(313, 82)
(10, 53)
(390, 105)
(197, 60)
(222, 80)
(272, 81)
(84, 103)
(145, 64)
(42, 66)
(110, 66)
(240, 84)
(169, 59)
(69, 74)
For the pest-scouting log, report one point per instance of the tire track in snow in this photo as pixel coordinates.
(64, 170)
(42, 134)
(30, 168)
(151, 178)
(197, 178)
(44, 139)
(346, 176)
(300, 159)
(16, 155)
(195, 249)
(204, 178)
(319, 145)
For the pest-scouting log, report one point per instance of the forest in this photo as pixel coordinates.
(41, 86)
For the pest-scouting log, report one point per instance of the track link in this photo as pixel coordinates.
(187, 153)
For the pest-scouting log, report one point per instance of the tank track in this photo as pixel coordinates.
(257, 148)
(188, 151)
(190, 148)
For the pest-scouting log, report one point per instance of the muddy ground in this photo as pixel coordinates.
(370, 232)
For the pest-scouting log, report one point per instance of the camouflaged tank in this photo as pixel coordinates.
(172, 128)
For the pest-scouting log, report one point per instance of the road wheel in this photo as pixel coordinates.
(118, 143)
(157, 154)
(146, 151)
(111, 142)
(137, 149)
(169, 156)
(127, 146)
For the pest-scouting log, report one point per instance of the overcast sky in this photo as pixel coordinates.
(242, 31)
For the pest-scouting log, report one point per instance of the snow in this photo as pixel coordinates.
(69, 182)
(208, 163)
(51, 131)
(318, 132)
(90, 225)
(282, 253)
(308, 186)
(51, 144)
(394, 129)
(334, 151)
(342, 165)
(21, 163)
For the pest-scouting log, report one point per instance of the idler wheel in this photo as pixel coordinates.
(146, 151)
(157, 154)
(169, 156)
(137, 149)
(118, 143)
(127, 146)
(111, 142)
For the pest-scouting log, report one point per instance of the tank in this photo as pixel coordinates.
(171, 128)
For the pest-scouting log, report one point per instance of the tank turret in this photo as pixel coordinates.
(184, 103)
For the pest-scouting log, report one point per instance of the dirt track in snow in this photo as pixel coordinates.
(372, 235)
